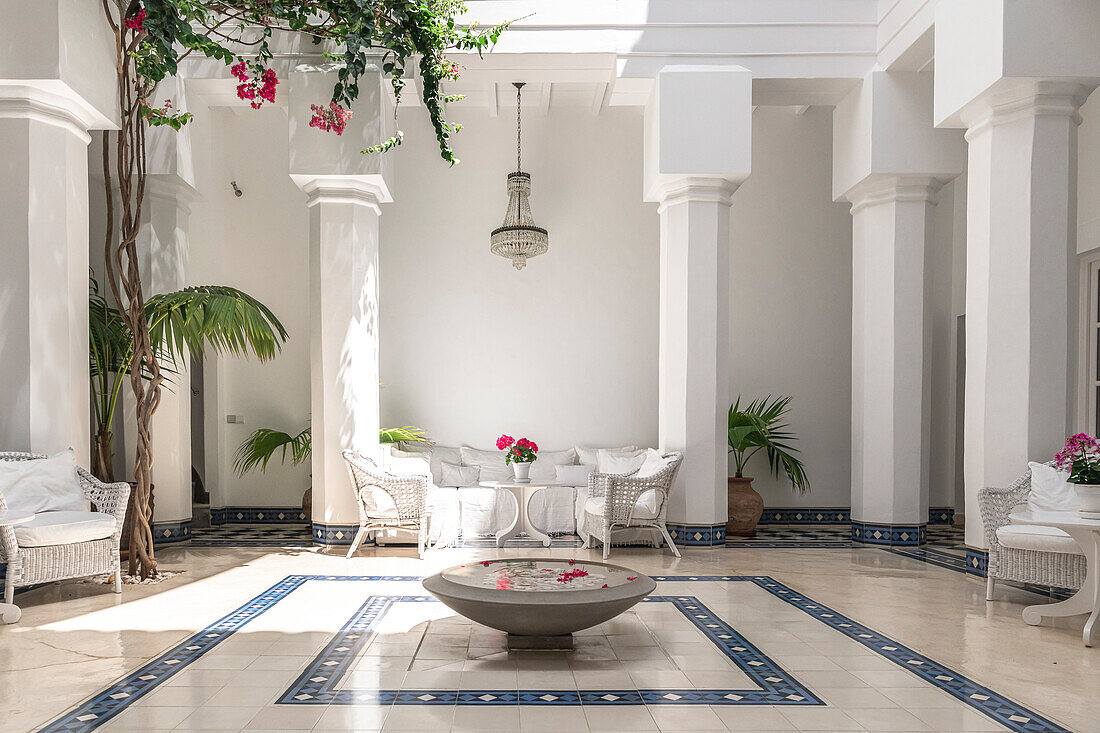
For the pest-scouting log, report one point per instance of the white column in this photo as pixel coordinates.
(344, 191)
(694, 345)
(698, 138)
(889, 162)
(163, 251)
(1021, 283)
(52, 92)
(1014, 75)
(343, 282)
(44, 401)
(891, 230)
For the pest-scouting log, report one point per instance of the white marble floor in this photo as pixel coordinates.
(828, 624)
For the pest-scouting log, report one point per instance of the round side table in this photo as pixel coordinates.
(1086, 532)
(521, 493)
(10, 612)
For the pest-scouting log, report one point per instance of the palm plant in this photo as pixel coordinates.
(217, 317)
(259, 447)
(761, 426)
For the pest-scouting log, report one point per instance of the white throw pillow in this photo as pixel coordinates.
(589, 456)
(456, 476)
(436, 456)
(43, 485)
(545, 466)
(491, 463)
(406, 465)
(618, 462)
(652, 464)
(1050, 491)
(573, 475)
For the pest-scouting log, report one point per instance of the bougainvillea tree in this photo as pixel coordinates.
(153, 36)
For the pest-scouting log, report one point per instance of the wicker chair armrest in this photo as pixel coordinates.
(598, 483)
(409, 494)
(106, 498)
(995, 504)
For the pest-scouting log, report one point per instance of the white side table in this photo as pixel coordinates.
(1086, 532)
(521, 494)
(10, 612)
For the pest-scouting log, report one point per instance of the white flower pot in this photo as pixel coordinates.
(1089, 496)
(522, 471)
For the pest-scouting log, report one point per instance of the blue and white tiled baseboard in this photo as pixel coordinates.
(977, 561)
(698, 535)
(167, 533)
(838, 515)
(257, 515)
(888, 534)
(806, 515)
(334, 534)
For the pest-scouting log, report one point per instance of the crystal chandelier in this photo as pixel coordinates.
(517, 238)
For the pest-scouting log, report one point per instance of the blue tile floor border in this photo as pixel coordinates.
(316, 685)
(108, 703)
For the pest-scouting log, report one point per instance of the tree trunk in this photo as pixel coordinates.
(103, 462)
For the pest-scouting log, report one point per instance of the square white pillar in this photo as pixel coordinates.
(44, 404)
(891, 367)
(698, 149)
(1021, 283)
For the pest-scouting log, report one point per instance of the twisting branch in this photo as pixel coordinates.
(151, 38)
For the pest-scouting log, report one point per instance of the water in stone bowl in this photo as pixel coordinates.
(539, 597)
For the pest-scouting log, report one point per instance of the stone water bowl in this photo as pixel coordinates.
(525, 598)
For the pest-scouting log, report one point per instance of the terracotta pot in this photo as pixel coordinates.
(745, 507)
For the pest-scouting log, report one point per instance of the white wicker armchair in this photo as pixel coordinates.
(33, 565)
(1058, 569)
(409, 495)
(613, 504)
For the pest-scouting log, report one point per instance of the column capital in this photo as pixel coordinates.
(1015, 99)
(883, 188)
(52, 103)
(696, 189)
(365, 190)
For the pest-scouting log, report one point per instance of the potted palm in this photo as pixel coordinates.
(759, 426)
(216, 317)
(259, 448)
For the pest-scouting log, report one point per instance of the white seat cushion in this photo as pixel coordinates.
(1033, 537)
(645, 508)
(64, 528)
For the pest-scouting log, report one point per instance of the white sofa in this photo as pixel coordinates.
(462, 506)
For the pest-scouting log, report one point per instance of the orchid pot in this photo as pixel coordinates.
(1081, 457)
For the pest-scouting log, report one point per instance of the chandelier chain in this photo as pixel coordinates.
(519, 120)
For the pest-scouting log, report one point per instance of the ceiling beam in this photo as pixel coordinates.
(544, 101)
(599, 98)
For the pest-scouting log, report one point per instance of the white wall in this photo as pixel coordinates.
(791, 299)
(564, 351)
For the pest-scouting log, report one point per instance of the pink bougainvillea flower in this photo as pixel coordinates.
(632, 578)
(604, 585)
(255, 87)
(330, 119)
(136, 22)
